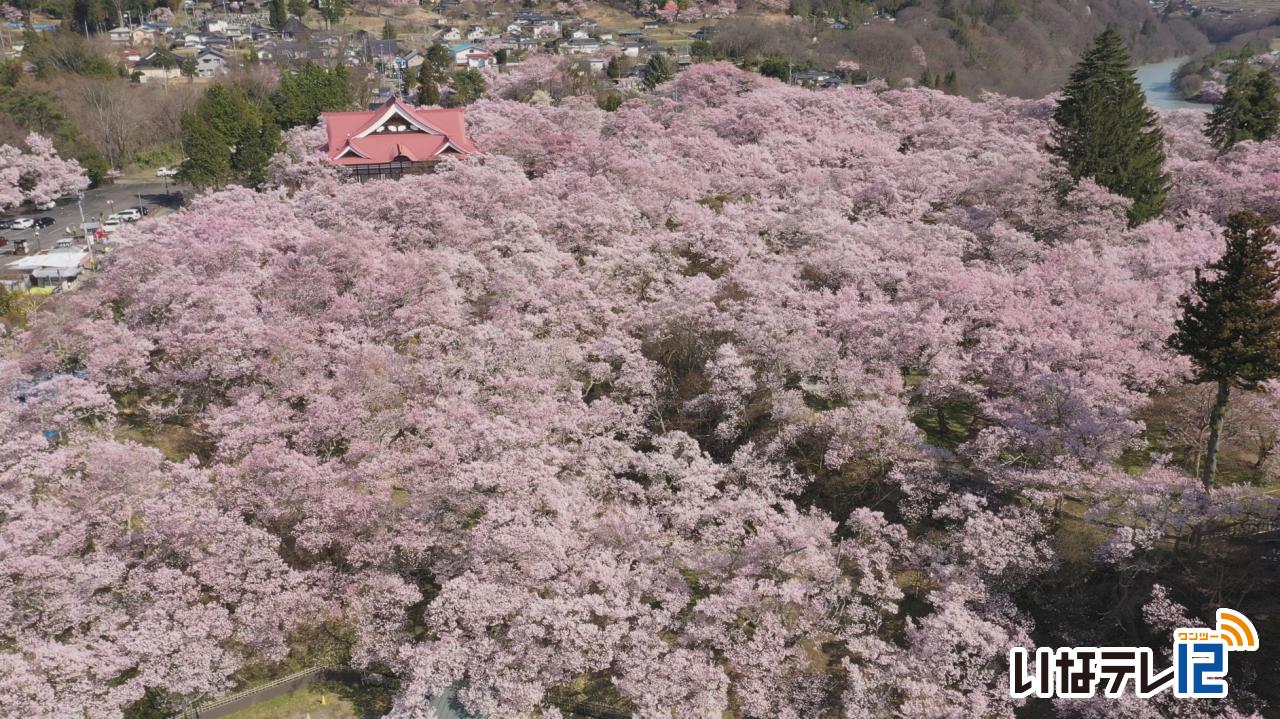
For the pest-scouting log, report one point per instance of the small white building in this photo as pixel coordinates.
(59, 266)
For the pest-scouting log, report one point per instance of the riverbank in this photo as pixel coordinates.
(1156, 80)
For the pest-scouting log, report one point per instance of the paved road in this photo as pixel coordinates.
(97, 204)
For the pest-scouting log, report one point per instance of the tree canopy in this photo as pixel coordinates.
(1250, 110)
(1103, 129)
(308, 91)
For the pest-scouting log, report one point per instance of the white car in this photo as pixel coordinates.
(129, 215)
(47, 205)
(23, 223)
(111, 225)
(166, 172)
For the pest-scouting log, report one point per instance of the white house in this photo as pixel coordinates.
(460, 52)
(210, 62)
(581, 46)
(155, 67)
(479, 59)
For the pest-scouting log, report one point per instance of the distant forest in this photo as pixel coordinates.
(1016, 47)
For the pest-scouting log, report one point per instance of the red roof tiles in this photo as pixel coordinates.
(363, 138)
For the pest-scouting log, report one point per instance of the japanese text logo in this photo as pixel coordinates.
(1199, 665)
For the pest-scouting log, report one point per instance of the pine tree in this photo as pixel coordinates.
(253, 153)
(1230, 325)
(1105, 131)
(428, 91)
(467, 87)
(208, 154)
(1249, 110)
(277, 15)
(388, 31)
(657, 71)
(439, 57)
(309, 91)
(428, 83)
(1266, 107)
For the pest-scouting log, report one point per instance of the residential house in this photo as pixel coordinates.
(815, 78)
(121, 35)
(258, 32)
(409, 63)
(211, 62)
(545, 27)
(480, 59)
(580, 46)
(294, 30)
(159, 66)
(215, 40)
(451, 34)
(130, 56)
(537, 24)
(476, 33)
(460, 52)
(394, 139)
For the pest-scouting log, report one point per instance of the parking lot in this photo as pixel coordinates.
(96, 205)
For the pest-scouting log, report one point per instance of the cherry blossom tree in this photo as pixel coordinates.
(741, 399)
(37, 175)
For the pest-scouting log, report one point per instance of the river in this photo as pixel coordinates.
(1157, 83)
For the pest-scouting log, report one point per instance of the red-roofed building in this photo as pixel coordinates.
(395, 138)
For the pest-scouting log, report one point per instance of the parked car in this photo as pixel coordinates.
(112, 224)
(129, 215)
(23, 223)
(166, 172)
(43, 222)
(47, 205)
(6, 223)
(142, 208)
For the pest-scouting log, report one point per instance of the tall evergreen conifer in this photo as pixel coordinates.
(1105, 131)
(1249, 110)
(1230, 325)
(276, 14)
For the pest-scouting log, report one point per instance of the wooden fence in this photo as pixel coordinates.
(241, 700)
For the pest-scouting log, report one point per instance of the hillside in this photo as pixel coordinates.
(743, 401)
(1017, 47)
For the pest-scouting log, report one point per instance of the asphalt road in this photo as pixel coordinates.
(97, 204)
